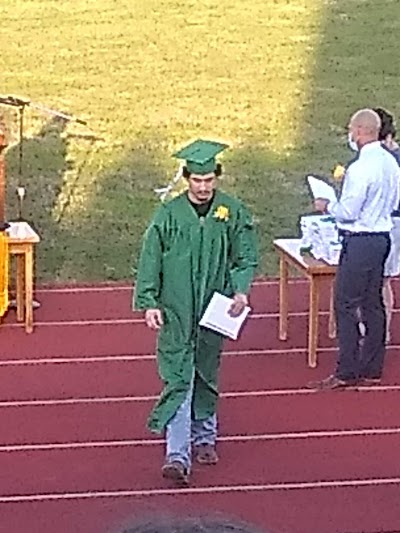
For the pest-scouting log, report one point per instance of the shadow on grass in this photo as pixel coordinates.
(354, 67)
(44, 164)
(103, 236)
(106, 236)
(273, 188)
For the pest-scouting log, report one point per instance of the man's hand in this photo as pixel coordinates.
(239, 303)
(321, 204)
(154, 318)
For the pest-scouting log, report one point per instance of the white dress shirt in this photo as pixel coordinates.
(371, 191)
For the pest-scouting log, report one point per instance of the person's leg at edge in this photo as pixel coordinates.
(388, 300)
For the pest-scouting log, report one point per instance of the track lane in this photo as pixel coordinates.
(117, 303)
(126, 338)
(139, 377)
(325, 510)
(122, 420)
(242, 463)
(136, 339)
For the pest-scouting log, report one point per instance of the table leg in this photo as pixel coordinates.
(283, 297)
(29, 290)
(20, 286)
(313, 322)
(332, 317)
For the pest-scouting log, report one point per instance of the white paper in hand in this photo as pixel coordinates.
(321, 189)
(217, 317)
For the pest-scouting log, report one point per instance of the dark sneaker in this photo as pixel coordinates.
(176, 472)
(206, 454)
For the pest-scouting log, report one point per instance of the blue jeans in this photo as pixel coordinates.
(182, 431)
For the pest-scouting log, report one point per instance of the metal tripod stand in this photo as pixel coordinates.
(21, 105)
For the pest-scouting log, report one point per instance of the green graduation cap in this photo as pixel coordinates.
(200, 155)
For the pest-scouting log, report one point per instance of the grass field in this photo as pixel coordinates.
(276, 79)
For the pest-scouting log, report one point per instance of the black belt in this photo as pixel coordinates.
(346, 233)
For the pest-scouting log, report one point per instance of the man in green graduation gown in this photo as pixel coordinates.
(200, 242)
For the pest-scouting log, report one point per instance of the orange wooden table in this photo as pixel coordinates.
(22, 239)
(317, 272)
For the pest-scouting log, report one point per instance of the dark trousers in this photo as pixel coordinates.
(359, 283)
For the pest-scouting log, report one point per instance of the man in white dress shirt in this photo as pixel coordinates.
(370, 193)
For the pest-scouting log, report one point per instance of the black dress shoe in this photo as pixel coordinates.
(331, 383)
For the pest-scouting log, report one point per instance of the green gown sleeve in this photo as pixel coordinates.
(149, 277)
(244, 252)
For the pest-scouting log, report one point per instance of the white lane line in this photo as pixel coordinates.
(367, 432)
(141, 321)
(75, 360)
(111, 288)
(126, 357)
(299, 485)
(151, 357)
(122, 321)
(151, 398)
(59, 323)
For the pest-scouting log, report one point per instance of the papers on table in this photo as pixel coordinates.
(321, 189)
(19, 230)
(319, 235)
(217, 317)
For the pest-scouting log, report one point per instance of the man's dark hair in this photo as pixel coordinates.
(387, 123)
(193, 524)
(217, 171)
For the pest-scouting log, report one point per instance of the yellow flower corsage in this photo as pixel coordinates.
(339, 172)
(222, 213)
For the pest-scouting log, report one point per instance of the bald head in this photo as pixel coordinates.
(367, 119)
(364, 126)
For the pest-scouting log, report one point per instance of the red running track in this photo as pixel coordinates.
(108, 420)
(72, 378)
(76, 457)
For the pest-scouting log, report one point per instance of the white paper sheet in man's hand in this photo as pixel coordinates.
(321, 189)
(217, 317)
